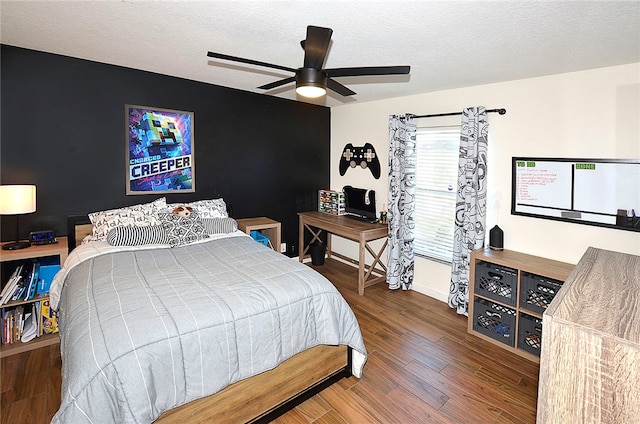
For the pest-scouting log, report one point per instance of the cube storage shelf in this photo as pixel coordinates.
(508, 293)
(59, 250)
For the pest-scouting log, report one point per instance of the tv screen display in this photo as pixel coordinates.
(360, 203)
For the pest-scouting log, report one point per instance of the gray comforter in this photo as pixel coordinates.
(144, 331)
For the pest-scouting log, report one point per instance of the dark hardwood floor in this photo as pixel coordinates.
(423, 367)
(30, 386)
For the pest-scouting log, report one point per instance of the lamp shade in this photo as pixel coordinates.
(17, 199)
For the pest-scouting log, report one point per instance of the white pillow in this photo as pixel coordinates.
(211, 208)
(140, 215)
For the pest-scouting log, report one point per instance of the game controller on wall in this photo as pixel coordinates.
(365, 156)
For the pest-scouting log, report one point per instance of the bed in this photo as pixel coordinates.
(219, 329)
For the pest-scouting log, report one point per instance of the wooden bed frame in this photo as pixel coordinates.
(264, 397)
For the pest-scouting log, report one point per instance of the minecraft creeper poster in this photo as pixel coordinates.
(160, 156)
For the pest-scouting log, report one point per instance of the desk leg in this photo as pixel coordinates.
(361, 267)
(300, 240)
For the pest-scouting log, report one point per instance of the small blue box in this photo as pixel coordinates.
(48, 269)
(260, 238)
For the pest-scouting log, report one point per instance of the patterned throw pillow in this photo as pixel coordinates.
(137, 236)
(183, 229)
(219, 225)
(133, 216)
(212, 208)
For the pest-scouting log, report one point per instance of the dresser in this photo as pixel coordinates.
(590, 359)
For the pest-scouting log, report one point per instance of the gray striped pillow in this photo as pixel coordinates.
(219, 225)
(137, 236)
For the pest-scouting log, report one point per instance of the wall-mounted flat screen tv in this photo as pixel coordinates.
(601, 192)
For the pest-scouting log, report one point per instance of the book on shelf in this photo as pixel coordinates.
(32, 281)
(38, 306)
(12, 285)
(30, 325)
(18, 324)
(25, 322)
(49, 318)
(9, 326)
(4, 327)
(47, 269)
(24, 284)
(12, 324)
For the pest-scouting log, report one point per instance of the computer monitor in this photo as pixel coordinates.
(359, 203)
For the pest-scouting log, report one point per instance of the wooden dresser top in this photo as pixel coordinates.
(602, 294)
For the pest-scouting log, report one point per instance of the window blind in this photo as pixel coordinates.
(436, 181)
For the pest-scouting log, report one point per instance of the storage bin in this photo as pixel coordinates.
(536, 292)
(530, 334)
(260, 238)
(496, 282)
(495, 321)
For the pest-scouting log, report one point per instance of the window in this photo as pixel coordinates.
(436, 180)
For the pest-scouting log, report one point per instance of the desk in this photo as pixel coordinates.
(361, 232)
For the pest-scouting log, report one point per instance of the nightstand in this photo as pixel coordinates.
(266, 226)
(10, 260)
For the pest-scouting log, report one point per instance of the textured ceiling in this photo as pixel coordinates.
(448, 44)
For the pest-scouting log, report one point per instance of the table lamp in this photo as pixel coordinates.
(17, 200)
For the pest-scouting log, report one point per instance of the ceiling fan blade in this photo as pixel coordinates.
(248, 61)
(339, 88)
(316, 46)
(277, 83)
(368, 70)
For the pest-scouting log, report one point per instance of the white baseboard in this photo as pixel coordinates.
(427, 291)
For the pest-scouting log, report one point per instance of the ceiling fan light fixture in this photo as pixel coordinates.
(311, 82)
(310, 91)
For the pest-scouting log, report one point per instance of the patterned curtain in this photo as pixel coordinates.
(402, 176)
(471, 203)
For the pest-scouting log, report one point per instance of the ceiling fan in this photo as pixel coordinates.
(312, 80)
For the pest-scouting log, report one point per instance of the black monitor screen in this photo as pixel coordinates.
(360, 202)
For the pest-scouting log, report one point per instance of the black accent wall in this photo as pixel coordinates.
(63, 129)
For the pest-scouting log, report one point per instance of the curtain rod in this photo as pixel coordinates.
(500, 112)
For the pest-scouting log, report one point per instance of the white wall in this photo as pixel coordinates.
(588, 114)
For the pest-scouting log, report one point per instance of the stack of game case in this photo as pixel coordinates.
(330, 201)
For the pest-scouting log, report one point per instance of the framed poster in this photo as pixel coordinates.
(160, 150)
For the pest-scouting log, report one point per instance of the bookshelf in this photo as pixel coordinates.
(7, 257)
